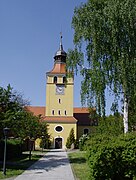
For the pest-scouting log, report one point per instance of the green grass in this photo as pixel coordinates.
(16, 166)
(79, 165)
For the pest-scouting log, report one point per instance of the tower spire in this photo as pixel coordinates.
(60, 55)
(61, 46)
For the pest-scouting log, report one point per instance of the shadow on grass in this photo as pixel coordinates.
(78, 160)
(20, 163)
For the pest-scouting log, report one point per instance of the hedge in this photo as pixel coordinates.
(112, 158)
(14, 149)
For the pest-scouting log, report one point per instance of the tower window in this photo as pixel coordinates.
(65, 112)
(53, 112)
(55, 80)
(59, 112)
(59, 101)
(64, 80)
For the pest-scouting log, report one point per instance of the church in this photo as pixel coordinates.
(59, 113)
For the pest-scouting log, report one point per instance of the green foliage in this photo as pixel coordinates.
(14, 148)
(110, 125)
(105, 32)
(112, 158)
(76, 144)
(43, 134)
(70, 139)
(132, 113)
(45, 142)
(74, 59)
(82, 141)
(14, 141)
(22, 124)
(10, 103)
(25, 125)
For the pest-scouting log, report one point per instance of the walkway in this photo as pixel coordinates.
(53, 166)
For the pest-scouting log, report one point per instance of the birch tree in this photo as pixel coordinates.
(105, 52)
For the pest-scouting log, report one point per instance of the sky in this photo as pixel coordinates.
(29, 37)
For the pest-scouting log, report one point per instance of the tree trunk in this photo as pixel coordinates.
(125, 117)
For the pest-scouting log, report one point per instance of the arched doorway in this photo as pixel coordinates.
(58, 143)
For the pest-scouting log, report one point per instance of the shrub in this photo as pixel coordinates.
(70, 139)
(113, 159)
(68, 143)
(14, 148)
(45, 143)
(82, 142)
(76, 144)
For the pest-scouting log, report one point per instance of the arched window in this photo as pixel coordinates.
(64, 80)
(53, 112)
(65, 112)
(86, 131)
(59, 112)
(55, 80)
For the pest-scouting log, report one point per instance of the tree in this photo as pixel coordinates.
(109, 126)
(70, 139)
(22, 124)
(106, 31)
(13, 114)
(26, 125)
(11, 103)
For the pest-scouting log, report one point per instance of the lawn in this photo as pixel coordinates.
(79, 165)
(14, 167)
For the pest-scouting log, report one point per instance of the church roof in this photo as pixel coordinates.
(60, 51)
(80, 115)
(59, 68)
(60, 119)
(81, 110)
(40, 110)
(60, 55)
(59, 61)
(36, 110)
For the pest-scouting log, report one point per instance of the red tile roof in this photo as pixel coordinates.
(81, 110)
(80, 115)
(41, 110)
(60, 119)
(36, 110)
(58, 68)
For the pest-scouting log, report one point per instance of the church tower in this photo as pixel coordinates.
(59, 101)
(59, 113)
(59, 87)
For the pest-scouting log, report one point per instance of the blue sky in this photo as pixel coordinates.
(29, 38)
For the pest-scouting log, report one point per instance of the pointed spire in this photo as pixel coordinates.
(61, 46)
(60, 55)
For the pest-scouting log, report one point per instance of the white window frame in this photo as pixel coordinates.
(58, 131)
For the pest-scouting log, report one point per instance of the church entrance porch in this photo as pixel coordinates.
(58, 143)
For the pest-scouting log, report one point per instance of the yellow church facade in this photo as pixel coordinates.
(59, 113)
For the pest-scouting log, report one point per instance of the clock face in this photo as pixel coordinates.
(59, 89)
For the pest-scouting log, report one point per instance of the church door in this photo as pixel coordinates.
(58, 143)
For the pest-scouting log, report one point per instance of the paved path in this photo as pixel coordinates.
(53, 166)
